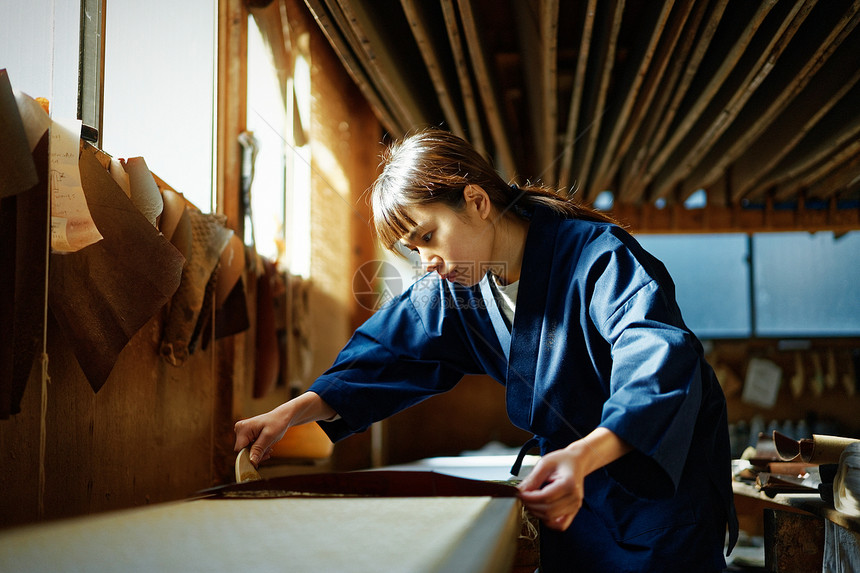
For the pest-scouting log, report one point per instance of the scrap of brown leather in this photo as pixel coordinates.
(103, 294)
(819, 449)
(194, 297)
(16, 164)
(23, 246)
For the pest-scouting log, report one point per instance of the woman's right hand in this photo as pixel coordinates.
(261, 433)
(264, 431)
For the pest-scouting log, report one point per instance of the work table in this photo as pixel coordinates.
(801, 531)
(307, 532)
(809, 503)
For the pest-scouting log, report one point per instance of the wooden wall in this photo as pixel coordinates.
(146, 436)
(466, 418)
(836, 407)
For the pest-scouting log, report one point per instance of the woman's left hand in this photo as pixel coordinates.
(554, 489)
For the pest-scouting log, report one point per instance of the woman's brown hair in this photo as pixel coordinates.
(434, 165)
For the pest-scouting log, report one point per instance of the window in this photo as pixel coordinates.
(299, 163)
(767, 285)
(39, 46)
(277, 116)
(159, 90)
(267, 125)
(711, 275)
(807, 283)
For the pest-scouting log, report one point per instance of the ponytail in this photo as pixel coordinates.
(526, 198)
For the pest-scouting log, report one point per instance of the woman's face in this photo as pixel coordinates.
(456, 244)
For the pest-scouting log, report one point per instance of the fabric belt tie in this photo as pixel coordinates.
(518, 464)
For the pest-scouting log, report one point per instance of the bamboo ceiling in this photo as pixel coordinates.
(649, 99)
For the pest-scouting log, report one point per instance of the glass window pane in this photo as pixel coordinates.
(159, 90)
(711, 274)
(39, 41)
(807, 284)
(266, 120)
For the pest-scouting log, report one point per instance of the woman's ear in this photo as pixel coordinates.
(477, 198)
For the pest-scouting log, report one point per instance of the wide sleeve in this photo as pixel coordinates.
(656, 374)
(407, 351)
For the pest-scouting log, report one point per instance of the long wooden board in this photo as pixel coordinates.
(389, 119)
(487, 88)
(436, 58)
(686, 62)
(704, 96)
(571, 133)
(716, 121)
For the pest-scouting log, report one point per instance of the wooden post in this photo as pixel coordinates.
(794, 543)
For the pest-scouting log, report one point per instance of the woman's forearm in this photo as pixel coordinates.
(600, 447)
(309, 407)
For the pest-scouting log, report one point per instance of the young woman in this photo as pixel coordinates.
(579, 323)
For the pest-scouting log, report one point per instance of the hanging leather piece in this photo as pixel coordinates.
(23, 250)
(16, 162)
(103, 294)
(209, 237)
(268, 363)
(231, 303)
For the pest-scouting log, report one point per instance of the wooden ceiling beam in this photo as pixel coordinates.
(527, 18)
(773, 99)
(744, 98)
(709, 133)
(756, 172)
(685, 67)
(571, 133)
(813, 176)
(539, 19)
(706, 94)
(342, 48)
(383, 58)
(629, 92)
(549, 86)
(753, 167)
(838, 127)
(461, 63)
(668, 52)
(604, 65)
(797, 170)
(838, 179)
(437, 55)
(487, 88)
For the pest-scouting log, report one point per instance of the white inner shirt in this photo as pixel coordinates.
(506, 297)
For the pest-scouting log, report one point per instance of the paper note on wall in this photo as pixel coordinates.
(762, 383)
(72, 226)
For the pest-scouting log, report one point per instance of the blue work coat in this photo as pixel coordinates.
(597, 340)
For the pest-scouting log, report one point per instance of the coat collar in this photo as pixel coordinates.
(528, 319)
